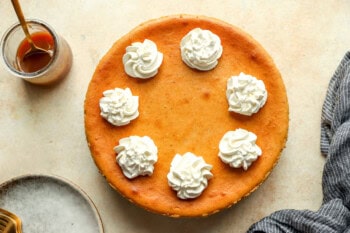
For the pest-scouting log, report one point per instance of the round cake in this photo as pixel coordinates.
(183, 110)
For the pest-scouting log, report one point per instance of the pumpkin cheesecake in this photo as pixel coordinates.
(165, 92)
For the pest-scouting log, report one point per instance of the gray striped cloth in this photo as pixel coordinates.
(334, 214)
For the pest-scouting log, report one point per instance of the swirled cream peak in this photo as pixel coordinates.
(238, 148)
(245, 94)
(119, 106)
(136, 156)
(189, 175)
(201, 49)
(142, 60)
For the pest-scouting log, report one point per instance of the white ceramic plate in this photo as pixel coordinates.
(50, 204)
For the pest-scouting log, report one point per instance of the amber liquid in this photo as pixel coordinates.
(37, 60)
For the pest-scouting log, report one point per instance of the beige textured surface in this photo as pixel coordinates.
(42, 129)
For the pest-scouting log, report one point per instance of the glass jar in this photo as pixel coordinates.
(61, 54)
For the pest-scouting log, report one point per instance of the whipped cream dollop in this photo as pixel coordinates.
(136, 156)
(189, 175)
(245, 94)
(201, 49)
(118, 106)
(142, 60)
(238, 148)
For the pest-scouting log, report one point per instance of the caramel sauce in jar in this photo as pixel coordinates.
(44, 67)
(36, 61)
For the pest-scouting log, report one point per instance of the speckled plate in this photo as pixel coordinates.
(50, 204)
